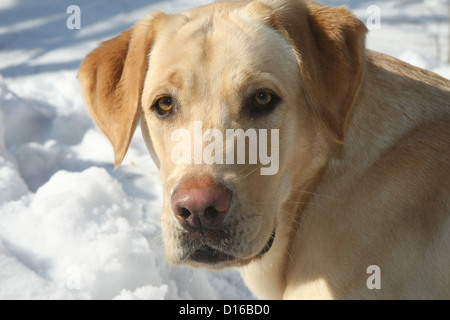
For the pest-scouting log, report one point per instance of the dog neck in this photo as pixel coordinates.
(375, 122)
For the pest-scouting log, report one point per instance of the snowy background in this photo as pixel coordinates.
(70, 226)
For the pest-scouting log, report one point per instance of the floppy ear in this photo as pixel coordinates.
(330, 46)
(112, 79)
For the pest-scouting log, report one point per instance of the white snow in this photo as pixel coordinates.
(72, 227)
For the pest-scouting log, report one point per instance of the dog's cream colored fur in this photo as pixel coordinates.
(364, 174)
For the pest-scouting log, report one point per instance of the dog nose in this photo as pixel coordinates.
(201, 204)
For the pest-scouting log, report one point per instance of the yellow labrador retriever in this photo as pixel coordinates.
(320, 168)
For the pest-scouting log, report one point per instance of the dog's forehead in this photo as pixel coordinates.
(220, 42)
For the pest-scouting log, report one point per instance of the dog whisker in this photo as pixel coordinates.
(245, 168)
(258, 167)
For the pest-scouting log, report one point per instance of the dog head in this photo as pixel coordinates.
(240, 103)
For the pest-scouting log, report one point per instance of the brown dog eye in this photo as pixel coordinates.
(263, 97)
(262, 101)
(164, 106)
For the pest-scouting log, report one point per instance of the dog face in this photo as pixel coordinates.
(239, 104)
(250, 93)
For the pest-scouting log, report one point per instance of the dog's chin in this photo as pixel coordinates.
(211, 258)
(215, 259)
